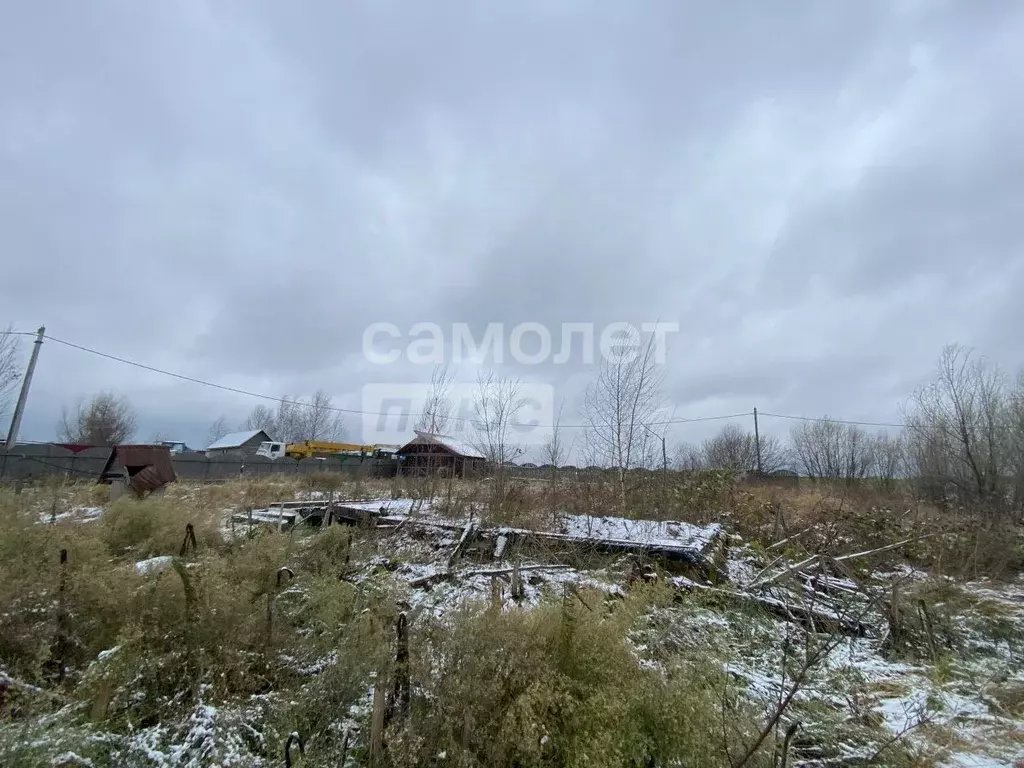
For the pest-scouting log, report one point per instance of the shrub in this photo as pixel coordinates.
(555, 685)
(156, 526)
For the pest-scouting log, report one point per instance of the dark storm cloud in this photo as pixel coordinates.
(821, 195)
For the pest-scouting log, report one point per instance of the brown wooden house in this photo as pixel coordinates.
(429, 452)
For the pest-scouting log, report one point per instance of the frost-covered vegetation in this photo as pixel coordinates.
(801, 634)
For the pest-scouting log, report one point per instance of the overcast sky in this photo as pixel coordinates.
(822, 195)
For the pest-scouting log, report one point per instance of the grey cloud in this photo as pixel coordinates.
(820, 194)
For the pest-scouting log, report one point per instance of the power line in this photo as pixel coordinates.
(834, 421)
(353, 411)
(356, 412)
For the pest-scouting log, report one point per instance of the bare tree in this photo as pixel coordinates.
(496, 407)
(959, 430)
(732, 448)
(318, 419)
(437, 409)
(260, 417)
(689, 458)
(10, 369)
(288, 426)
(775, 456)
(624, 397)
(554, 450)
(497, 403)
(889, 453)
(1015, 418)
(106, 420)
(830, 450)
(217, 430)
(735, 449)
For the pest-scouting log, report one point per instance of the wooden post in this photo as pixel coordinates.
(377, 722)
(517, 582)
(400, 696)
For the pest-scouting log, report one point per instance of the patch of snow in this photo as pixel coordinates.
(70, 758)
(963, 760)
(75, 514)
(649, 532)
(153, 564)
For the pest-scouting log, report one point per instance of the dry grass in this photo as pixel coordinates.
(565, 671)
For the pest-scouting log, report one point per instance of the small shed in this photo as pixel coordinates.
(430, 452)
(144, 469)
(237, 445)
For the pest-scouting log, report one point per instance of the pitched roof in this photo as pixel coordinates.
(453, 444)
(235, 439)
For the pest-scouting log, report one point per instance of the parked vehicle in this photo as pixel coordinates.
(317, 448)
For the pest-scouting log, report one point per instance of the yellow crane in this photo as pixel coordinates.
(310, 448)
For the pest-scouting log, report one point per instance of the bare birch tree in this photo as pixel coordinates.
(10, 369)
(624, 397)
(318, 419)
(288, 422)
(260, 417)
(437, 409)
(497, 403)
(297, 419)
(555, 450)
(217, 430)
(496, 406)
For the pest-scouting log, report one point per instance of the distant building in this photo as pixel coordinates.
(237, 445)
(429, 452)
(176, 447)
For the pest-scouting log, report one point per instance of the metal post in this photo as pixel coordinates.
(757, 442)
(19, 409)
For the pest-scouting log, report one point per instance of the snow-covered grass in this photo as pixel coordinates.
(185, 668)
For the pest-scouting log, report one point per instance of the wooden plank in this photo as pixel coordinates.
(461, 545)
(499, 546)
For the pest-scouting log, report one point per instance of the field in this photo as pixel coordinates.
(442, 622)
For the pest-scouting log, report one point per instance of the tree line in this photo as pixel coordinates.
(962, 443)
(109, 419)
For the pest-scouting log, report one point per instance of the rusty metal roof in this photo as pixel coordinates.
(448, 443)
(149, 467)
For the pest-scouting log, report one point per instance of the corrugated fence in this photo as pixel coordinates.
(28, 461)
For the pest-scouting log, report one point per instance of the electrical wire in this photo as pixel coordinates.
(833, 421)
(463, 419)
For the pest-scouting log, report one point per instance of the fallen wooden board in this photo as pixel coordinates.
(665, 548)
(435, 578)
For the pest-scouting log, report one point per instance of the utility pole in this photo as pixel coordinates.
(664, 462)
(19, 409)
(757, 442)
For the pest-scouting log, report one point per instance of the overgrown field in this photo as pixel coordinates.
(398, 641)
